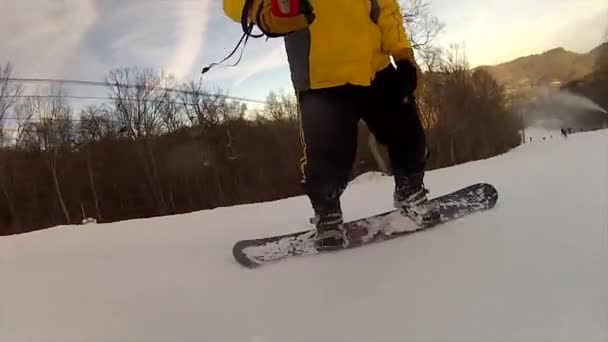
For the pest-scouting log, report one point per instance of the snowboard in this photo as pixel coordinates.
(380, 227)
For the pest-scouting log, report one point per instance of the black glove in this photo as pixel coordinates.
(396, 84)
(408, 77)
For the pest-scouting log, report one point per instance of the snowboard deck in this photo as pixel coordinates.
(380, 227)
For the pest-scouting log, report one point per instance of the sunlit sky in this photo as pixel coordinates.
(84, 39)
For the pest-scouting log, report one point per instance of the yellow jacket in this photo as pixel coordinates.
(348, 41)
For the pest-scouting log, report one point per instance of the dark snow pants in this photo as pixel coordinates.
(329, 131)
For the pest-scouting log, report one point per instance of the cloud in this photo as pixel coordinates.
(273, 59)
(39, 36)
(498, 31)
(84, 39)
(584, 34)
(258, 58)
(142, 33)
(192, 26)
(171, 35)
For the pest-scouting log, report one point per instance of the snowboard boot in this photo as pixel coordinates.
(330, 233)
(411, 196)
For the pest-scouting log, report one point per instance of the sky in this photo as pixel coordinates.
(84, 39)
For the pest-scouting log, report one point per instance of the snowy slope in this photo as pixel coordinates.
(533, 269)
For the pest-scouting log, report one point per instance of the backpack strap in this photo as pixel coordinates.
(374, 13)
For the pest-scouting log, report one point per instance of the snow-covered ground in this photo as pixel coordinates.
(533, 269)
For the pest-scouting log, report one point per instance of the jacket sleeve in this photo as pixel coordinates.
(395, 40)
(261, 15)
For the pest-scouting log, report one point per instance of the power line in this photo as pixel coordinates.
(105, 98)
(112, 98)
(72, 119)
(75, 97)
(53, 80)
(109, 84)
(77, 119)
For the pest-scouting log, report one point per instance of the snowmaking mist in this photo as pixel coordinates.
(563, 109)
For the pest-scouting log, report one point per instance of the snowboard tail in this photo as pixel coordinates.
(388, 225)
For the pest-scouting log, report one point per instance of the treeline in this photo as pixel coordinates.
(468, 113)
(595, 85)
(154, 151)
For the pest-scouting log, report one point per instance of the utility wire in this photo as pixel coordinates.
(106, 98)
(173, 102)
(109, 84)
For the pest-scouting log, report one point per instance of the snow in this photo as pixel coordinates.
(532, 269)
(369, 177)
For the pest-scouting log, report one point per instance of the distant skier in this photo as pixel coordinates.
(339, 57)
(564, 133)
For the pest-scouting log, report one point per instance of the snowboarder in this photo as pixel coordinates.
(339, 57)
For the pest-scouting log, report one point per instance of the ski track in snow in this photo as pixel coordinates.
(532, 269)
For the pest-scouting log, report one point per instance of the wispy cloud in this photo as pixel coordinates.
(273, 59)
(498, 31)
(86, 38)
(254, 62)
(40, 36)
(192, 26)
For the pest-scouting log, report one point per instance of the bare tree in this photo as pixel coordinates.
(201, 107)
(467, 113)
(430, 57)
(8, 97)
(281, 106)
(47, 122)
(422, 27)
(172, 116)
(9, 93)
(139, 96)
(96, 123)
(232, 110)
(28, 114)
(48, 129)
(24, 116)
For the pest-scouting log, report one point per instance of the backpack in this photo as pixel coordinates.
(234, 9)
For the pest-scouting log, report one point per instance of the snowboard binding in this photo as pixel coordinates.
(330, 233)
(332, 239)
(423, 214)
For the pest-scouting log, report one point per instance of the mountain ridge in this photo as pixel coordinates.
(551, 68)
